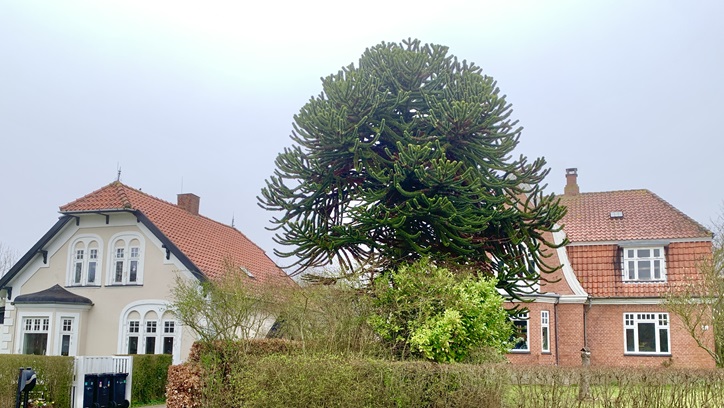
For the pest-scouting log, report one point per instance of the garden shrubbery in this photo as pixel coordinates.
(150, 372)
(275, 373)
(54, 373)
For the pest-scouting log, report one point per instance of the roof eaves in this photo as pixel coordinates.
(36, 249)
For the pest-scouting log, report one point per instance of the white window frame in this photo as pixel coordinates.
(143, 308)
(522, 318)
(632, 322)
(73, 333)
(632, 262)
(126, 258)
(84, 243)
(43, 318)
(545, 331)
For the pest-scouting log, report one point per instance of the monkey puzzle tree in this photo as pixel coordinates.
(409, 155)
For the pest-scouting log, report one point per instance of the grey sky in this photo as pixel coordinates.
(199, 96)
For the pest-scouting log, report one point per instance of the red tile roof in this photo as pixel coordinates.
(645, 216)
(207, 243)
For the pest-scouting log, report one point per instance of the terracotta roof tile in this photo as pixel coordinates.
(207, 243)
(645, 216)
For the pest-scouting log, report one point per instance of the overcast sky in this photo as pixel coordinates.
(198, 96)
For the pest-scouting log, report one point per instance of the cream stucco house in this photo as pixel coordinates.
(98, 282)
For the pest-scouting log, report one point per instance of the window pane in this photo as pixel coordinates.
(631, 270)
(119, 271)
(134, 271)
(647, 337)
(520, 335)
(657, 252)
(644, 270)
(664, 340)
(630, 253)
(168, 345)
(133, 345)
(35, 343)
(91, 272)
(630, 341)
(657, 269)
(78, 272)
(150, 345)
(65, 345)
(644, 253)
(544, 333)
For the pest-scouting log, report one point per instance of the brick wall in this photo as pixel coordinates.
(569, 321)
(606, 340)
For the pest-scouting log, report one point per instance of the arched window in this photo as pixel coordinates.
(85, 261)
(126, 263)
(149, 328)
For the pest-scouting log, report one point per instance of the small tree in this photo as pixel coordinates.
(226, 309)
(699, 302)
(329, 318)
(427, 311)
(7, 258)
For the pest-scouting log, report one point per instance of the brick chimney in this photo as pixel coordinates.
(571, 188)
(189, 202)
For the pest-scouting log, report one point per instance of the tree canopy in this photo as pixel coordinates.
(407, 155)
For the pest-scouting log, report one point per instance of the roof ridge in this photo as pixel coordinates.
(120, 190)
(605, 192)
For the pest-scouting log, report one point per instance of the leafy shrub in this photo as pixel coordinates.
(428, 311)
(55, 376)
(150, 372)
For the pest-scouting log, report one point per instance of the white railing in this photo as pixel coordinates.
(99, 365)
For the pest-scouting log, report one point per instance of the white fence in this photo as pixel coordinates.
(98, 365)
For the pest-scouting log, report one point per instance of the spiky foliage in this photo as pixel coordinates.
(408, 155)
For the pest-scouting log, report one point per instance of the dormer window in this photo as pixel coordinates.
(644, 264)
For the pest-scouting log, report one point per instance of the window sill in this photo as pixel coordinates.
(547, 353)
(647, 354)
(645, 281)
(120, 285)
(518, 351)
(83, 286)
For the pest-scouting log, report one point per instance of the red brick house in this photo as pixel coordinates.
(625, 249)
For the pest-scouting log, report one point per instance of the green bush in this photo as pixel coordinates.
(150, 372)
(55, 376)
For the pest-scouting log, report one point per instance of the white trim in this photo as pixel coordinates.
(143, 307)
(524, 317)
(20, 329)
(628, 301)
(568, 274)
(127, 237)
(641, 242)
(86, 239)
(545, 324)
(656, 321)
(574, 299)
(73, 350)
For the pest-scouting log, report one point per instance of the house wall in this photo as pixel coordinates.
(598, 269)
(535, 355)
(606, 340)
(100, 332)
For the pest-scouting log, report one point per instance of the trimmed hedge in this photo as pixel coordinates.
(226, 375)
(55, 377)
(275, 374)
(150, 372)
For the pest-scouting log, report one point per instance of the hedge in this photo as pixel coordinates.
(150, 372)
(54, 373)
